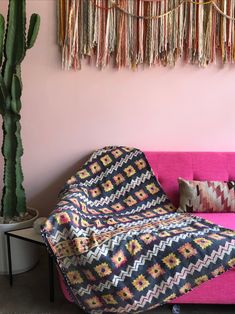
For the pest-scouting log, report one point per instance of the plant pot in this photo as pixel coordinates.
(24, 254)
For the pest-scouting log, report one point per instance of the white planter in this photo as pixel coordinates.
(24, 254)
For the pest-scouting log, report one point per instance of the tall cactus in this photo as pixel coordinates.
(13, 47)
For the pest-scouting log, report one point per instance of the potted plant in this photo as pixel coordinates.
(14, 213)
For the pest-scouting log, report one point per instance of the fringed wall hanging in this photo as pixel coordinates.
(128, 33)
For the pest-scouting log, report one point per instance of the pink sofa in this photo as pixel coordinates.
(168, 166)
(199, 166)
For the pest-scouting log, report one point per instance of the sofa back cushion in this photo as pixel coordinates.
(201, 166)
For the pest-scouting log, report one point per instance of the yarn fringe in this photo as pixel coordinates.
(129, 33)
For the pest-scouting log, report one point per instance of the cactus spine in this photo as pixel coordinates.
(13, 47)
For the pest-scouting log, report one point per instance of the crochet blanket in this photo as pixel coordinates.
(119, 243)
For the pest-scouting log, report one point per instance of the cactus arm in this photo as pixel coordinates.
(2, 34)
(16, 88)
(3, 90)
(19, 191)
(15, 39)
(8, 150)
(16, 91)
(14, 199)
(15, 36)
(33, 30)
(3, 96)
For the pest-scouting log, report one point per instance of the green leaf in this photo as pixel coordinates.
(2, 34)
(33, 30)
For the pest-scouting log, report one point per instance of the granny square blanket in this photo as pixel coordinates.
(119, 243)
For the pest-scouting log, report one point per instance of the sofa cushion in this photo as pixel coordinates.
(169, 166)
(206, 196)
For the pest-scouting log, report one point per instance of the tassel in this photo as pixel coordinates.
(131, 33)
(141, 33)
(233, 33)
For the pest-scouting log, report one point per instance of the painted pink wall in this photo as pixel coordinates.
(66, 115)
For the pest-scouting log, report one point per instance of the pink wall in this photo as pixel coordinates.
(66, 115)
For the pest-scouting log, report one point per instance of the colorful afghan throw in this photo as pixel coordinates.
(119, 244)
(129, 33)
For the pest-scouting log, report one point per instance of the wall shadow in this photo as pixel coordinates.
(47, 198)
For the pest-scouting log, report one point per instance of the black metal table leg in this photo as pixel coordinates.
(9, 260)
(51, 278)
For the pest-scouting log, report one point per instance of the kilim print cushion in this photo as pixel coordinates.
(206, 196)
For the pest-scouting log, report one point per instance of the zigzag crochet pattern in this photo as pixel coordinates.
(119, 243)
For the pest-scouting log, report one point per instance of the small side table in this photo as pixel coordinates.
(28, 234)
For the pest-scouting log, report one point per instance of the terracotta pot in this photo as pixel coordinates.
(24, 254)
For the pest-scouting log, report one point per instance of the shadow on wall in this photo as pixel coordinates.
(48, 197)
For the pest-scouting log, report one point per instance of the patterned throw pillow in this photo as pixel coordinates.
(206, 196)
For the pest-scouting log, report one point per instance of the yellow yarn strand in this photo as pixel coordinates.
(199, 2)
(222, 13)
(115, 5)
(151, 17)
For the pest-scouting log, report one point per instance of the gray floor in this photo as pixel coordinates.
(30, 294)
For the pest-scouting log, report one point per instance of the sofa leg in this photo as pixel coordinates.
(175, 309)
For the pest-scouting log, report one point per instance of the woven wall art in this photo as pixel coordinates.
(128, 33)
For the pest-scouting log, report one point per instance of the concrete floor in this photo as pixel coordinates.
(30, 295)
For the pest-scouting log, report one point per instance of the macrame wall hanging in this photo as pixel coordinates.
(128, 33)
